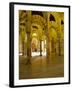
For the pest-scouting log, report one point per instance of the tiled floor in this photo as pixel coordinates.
(41, 67)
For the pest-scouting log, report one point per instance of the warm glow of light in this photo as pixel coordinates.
(34, 34)
(20, 54)
(38, 53)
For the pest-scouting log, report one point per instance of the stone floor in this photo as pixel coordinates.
(41, 67)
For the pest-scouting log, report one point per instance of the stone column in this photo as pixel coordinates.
(21, 41)
(28, 31)
(40, 47)
(59, 45)
(46, 33)
(28, 45)
(59, 37)
(23, 48)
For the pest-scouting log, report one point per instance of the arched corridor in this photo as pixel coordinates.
(41, 44)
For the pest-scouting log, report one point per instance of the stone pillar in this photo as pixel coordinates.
(28, 31)
(28, 45)
(59, 38)
(46, 33)
(23, 48)
(21, 41)
(53, 45)
(59, 46)
(40, 47)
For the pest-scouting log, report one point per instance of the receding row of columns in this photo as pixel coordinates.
(28, 32)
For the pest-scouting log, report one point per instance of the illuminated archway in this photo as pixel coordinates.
(38, 35)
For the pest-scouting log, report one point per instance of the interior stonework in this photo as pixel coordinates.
(41, 44)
